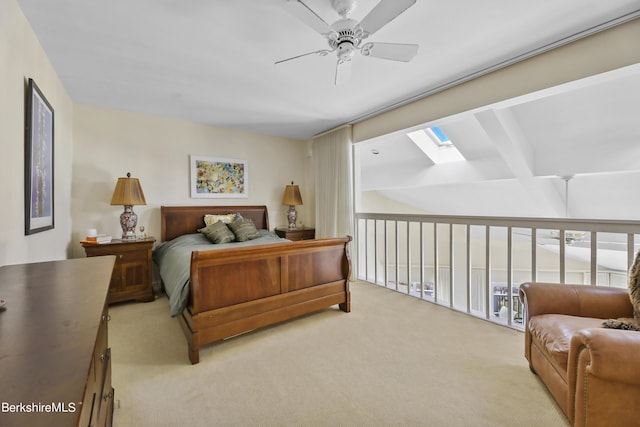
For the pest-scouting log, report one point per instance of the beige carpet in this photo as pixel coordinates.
(393, 361)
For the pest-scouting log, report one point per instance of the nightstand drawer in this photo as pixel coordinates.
(294, 234)
(131, 279)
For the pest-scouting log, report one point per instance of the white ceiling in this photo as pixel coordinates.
(212, 61)
(517, 152)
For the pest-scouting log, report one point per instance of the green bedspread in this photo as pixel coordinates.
(174, 261)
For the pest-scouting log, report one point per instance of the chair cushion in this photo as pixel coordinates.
(552, 333)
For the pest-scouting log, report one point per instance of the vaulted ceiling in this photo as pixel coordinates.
(571, 150)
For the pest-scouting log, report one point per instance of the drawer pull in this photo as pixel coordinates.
(108, 396)
(106, 317)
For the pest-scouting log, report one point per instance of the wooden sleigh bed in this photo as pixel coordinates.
(235, 290)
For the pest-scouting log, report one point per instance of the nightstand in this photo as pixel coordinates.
(131, 278)
(299, 233)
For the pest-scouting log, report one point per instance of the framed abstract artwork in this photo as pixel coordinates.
(216, 177)
(38, 197)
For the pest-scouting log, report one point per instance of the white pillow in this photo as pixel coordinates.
(225, 219)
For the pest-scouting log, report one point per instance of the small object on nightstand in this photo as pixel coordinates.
(132, 272)
(97, 239)
(299, 233)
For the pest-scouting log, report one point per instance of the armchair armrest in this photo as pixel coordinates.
(575, 300)
(603, 362)
(613, 354)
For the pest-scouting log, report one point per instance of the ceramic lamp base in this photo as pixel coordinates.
(128, 222)
(292, 216)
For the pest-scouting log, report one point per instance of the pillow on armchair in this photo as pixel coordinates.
(631, 324)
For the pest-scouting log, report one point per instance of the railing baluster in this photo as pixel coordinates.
(436, 274)
(421, 260)
(375, 251)
(562, 257)
(509, 275)
(593, 267)
(534, 254)
(630, 250)
(380, 248)
(366, 248)
(451, 262)
(468, 266)
(386, 257)
(397, 257)
(487, 273)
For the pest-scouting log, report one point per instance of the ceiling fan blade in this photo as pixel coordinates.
(394, 51)
(343, 71)
(304, 13)
(322, 52)
(383, 13)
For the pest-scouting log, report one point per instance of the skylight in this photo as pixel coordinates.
(439, 136)
(436, 145)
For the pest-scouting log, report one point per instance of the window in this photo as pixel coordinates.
(436, 145)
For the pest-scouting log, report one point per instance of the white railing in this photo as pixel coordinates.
(476, 264)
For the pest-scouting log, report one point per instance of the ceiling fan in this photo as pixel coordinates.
(346, 35)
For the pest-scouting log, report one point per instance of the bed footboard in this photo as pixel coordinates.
(240, 289)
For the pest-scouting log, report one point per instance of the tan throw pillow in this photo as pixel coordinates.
(244, 229)
(218, 233)
(226, 218)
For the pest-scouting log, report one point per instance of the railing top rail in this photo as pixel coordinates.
(577, 224)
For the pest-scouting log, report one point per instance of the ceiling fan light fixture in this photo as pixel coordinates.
(345, 35)
(345, 51)
(343, 7)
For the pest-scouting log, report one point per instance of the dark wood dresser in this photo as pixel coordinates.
(55, 362)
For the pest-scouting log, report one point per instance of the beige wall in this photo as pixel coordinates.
(21, 58)
(372, 201)
(110, 143)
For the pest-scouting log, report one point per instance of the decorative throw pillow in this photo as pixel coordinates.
(226, 218)
(244, 229)
(632, 324)
(218, 233)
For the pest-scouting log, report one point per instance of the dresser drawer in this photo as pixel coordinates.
(97, 405)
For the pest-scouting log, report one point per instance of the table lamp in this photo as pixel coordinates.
(292, 198)
(128, 192)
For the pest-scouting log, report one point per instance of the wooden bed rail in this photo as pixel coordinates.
(240, 289)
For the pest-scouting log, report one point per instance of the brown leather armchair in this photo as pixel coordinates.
(593, 373)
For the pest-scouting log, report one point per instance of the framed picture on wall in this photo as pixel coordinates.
(38, 194)
(217, 177)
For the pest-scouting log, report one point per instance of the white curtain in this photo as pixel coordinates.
(333, 174)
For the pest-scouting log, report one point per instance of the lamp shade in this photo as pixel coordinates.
(128, 192)
(292, 195)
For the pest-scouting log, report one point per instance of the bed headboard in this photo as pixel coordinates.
(178, 220)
